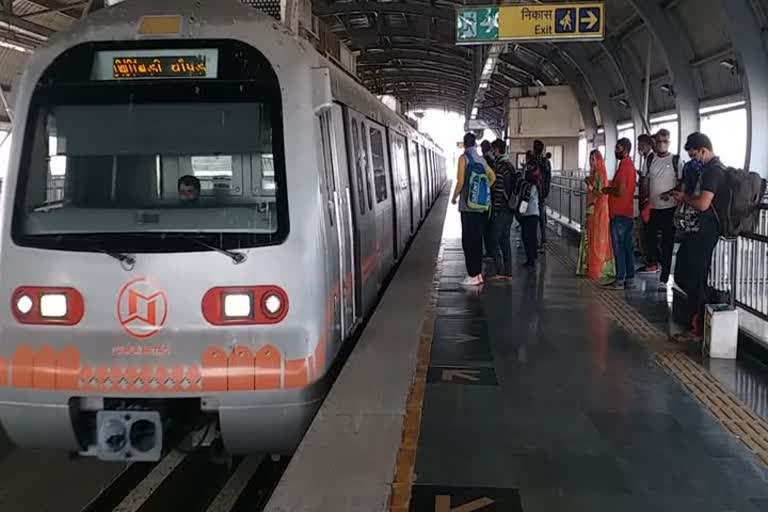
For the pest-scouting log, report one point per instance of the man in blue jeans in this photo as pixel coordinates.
(621, 203)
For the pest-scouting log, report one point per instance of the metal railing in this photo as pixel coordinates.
(740, 269)
(568, 199)
(739, 266)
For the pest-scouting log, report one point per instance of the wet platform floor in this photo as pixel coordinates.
(536, 400)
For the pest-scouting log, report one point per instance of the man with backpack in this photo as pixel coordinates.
(662, 172)
(545, 170)
(504, 207)
(473, 193)
(724, 203)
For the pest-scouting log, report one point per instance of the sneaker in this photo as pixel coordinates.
(473, 281)
(616, 285)
(648, 269)
(542, 249)
(630, 284)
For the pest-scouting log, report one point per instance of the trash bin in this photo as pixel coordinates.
(721, 331)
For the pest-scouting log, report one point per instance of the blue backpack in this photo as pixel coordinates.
(478, 186)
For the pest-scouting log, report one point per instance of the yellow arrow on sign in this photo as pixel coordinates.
(443, 504)
(448, 375)
(591, 19)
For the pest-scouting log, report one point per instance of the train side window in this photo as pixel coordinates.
(400, 160)
(359, 164)
(364, 141)
(327, 163)
(377, 159)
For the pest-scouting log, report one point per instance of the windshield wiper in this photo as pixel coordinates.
(237, 257)
(126, 260)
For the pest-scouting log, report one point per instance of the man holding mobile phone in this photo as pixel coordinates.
(663, 170)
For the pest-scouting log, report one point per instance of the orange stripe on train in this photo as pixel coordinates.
(239, 370)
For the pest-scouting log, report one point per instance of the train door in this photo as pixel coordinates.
(424, 181)
(332, 222)
(335, 165)
(385, 240)
(366, 259)
(413, 161)
(400, 188)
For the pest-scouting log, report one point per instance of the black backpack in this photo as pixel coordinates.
(737, 202)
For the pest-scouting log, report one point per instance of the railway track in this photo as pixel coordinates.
(193, 482)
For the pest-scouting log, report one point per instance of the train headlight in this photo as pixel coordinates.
(238, 305)
(53, 305)
(245, 305)
(24, 304)
(44, 305)
(273, 305)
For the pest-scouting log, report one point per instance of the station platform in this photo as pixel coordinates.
(542, 394)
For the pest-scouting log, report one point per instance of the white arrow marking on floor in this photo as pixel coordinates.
(448, 375)
(462, 338)
(443, 504)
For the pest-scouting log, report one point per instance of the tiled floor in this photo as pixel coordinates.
(537, 401)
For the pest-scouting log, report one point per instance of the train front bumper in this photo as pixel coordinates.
(250, 421)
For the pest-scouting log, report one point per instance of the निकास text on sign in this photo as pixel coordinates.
(531, 22)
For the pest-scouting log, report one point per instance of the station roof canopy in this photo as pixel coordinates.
(407, 48)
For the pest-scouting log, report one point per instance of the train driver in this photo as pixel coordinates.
(189, 189)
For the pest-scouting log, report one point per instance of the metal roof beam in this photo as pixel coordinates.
(602, 91)
(73, 11)
(22, 26)
(405, 8)
(401, 54)
(675, 50)
(745, 33)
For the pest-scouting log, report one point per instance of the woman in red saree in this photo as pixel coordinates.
(596, 252)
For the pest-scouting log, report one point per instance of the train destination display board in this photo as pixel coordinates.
(155, 64)
(531, 22)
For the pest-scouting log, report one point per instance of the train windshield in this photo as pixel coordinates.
(130, 166)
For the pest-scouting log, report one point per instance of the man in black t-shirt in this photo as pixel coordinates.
(694, 257)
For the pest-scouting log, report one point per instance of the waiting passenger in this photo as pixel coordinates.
(545, 170)
(645, 148)
(490, 247)
(503, 214)
(529, 207)
(621, 202)
(473, 193)
(596, 253)
(694, 258)
(189, 189)
(663, 173)
(487, 151)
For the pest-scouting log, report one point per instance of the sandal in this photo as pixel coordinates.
(684, 337)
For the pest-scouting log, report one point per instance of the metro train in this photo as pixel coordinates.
(134, 313)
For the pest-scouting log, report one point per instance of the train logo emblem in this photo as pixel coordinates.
(142, 308)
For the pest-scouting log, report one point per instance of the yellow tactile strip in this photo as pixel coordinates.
(740, 421)
(735, 416)
(624, 314)
(400, 497)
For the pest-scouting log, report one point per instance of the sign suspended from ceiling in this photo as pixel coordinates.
(531, 22)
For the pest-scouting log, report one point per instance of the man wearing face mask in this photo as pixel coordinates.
(663, 172)
(621, 203)
(694, 257)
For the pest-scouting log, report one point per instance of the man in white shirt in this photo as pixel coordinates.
(663, 171)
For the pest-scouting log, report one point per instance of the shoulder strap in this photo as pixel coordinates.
(648, 161)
